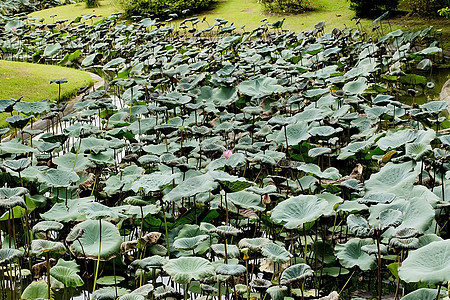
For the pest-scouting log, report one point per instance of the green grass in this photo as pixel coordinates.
(32, 81)
(72, 11)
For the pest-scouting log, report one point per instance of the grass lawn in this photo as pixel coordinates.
(335, 13)
(32, 81)
(72, 11)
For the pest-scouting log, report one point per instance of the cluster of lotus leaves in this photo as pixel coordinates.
(246, 127)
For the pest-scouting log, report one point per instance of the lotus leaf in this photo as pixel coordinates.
(396, 139)
(32, 107)
(88, 245)
(392, 177)
(144, 290)
(39, 247)
(295, 274)
(232, 250)
(67, 276)
(35, 290)
(149, 263)
(184, 269)
(8, 203)
(191, 187)
(110, 280)
(359, 226)
(296, 211)
(72, 162)
(422, 294)
(277, 292)
(15, 147)
(429, 264)
(45, 226)
(153, 182)
(350, 254)
(7, 255)
(263, 86)
(189, 243)
(230, 269)
(59, 178)
(275, 253)
(17, 165)
(108, 293)
(254, 244)
(246, 199)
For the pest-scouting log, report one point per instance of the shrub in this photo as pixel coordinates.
(371, 8)
(286, 6)
(425, 7)
(92, 3)
(162, 8)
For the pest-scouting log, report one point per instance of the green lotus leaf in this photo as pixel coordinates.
(260, 284)
(153, 182)
(230, 269)
(88, 244)
(45, 226)
(263, 86)
(296, 133)
(295, 211)
(17, 121)
(389, 218)
(190, 242)
(110, 280)
(423, 294)
(296, 273)
(392, 177)
(72, 162)
(96, 211)
(246, 200)
(230, 183)
(113, 63)
(373, 249)
(52, 49)
(191, 187)
(417, 213)
(350, 254)
(123, 181)
(32, 107)
(335, 271)
(254, 244)
(8, 203)
(277, 292)
(184, 269)
(353, 148)
(149, 263)
(67, 276)
(275, 253)
(359, 226)
(17, 165)
(63, 212)
(59, 178)
(435, 107)
(393, 140)
(7, 255)
(428, 238)
(429, 264)
(232, 250)
(39, 247)
(166, 292)
(356, 87)
(378, 198)
(132, 297)
(15, 147)
(315, 152)
(7, 192)
(429, 51)
(108, 293)
(144, 290)
(35, 290)
(404, 243)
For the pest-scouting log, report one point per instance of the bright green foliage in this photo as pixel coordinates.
(163, 8)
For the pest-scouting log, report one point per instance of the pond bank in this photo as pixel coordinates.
(445, 93)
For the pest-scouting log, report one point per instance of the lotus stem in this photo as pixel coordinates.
(348, 280)
(378, 236)
(48, 273)
(166, 230)
(98, 259)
